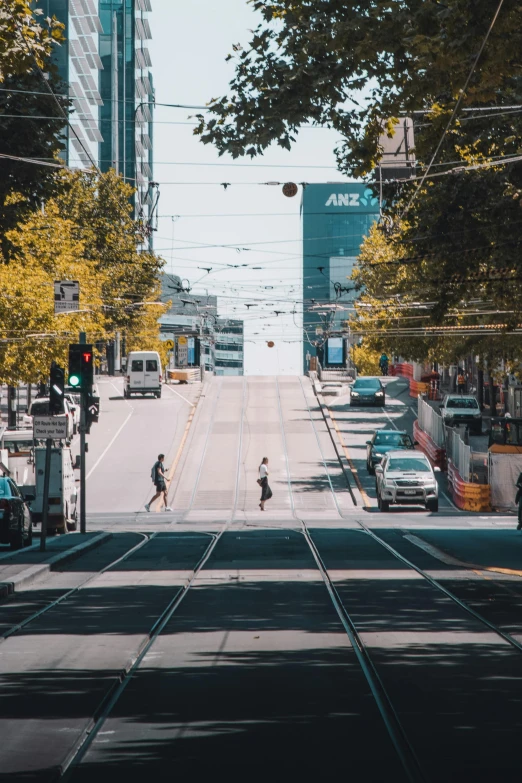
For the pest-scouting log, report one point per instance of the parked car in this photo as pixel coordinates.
(382, 442)
(406, 478)
(74, 406)
(15, 518)
(462, 409)
(40, 407)
(367, 391)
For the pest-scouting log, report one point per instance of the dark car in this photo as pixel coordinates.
(15, 518)
(367, 391)
(382, 442)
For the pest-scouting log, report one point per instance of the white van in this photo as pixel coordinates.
(143, 375)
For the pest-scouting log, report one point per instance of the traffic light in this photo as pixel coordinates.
(56, 386)
(81, 367)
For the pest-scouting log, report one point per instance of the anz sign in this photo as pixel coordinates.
(366, 199)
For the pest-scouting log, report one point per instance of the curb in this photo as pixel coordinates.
(343, 461)
(35, 571)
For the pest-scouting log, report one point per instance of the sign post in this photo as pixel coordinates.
(45, 506)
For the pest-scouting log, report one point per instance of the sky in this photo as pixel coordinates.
(188, 49)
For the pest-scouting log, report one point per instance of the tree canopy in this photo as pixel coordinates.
(85, 233)
(28, 129)
(450, 256)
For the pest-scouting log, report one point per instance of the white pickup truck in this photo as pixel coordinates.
(63, 495)
(17, 455)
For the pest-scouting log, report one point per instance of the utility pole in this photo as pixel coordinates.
(11, 407)
(83, 451)
(45, 506)
(117, 353)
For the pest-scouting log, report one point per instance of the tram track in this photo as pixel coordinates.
(392, 723)
(402, 745)
(111, 698)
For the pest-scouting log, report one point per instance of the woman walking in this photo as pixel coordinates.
(266, 492)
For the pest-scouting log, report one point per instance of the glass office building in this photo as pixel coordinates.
(336, 217)
(79, 64)
(229, 347)
(127, 93)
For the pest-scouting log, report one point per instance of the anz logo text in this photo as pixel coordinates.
(352, 199)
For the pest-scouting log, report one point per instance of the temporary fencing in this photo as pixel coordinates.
(431, 422)
(504, 470)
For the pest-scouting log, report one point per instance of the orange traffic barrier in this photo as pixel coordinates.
(467, 496)
(435, 454)
(404, 370)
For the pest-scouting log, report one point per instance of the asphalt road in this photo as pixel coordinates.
(317, 638)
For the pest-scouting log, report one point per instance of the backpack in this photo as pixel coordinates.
(153, 473)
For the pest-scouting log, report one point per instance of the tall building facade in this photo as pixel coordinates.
(127, 94)
(79, 65)
(105, 63)
(336, 218)
(229, 347)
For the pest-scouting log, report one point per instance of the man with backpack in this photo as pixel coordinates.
(157, 475)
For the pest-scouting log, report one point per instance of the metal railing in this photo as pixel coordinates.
(431, 422)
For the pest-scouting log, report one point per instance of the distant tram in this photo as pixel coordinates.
(505, 436)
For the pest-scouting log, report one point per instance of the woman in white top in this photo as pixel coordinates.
(266, 492)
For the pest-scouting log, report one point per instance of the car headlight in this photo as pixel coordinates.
(355, 394)
(477, 415)
(376, 454)
(389, 484)
(379, 394)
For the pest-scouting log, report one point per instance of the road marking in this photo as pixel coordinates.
(179, 395)
(106, 449)
(439, 554)
(354, 470)
(178, 453)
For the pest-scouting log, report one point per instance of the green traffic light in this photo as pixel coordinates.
(74, 380)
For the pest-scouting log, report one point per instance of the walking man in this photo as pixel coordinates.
(158, 477)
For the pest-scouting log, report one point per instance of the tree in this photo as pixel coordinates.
(27, 44)
(85, 233)
(309, 60)
(357, 67)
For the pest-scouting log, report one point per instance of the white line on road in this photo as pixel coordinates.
(106, 449)
(166, 386)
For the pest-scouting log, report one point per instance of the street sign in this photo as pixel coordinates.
(182, 340)
(169, 344)
(54, 427)
(318, 329)
(66, 296)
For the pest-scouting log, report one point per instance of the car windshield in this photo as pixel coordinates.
(18, 446)
(409, 464)
(395, 439)
(4, 489)
(462, 402)
(367, 383)
(40, 408)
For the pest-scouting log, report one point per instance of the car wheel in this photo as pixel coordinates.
(17, 540)
(433, 505)
(385, 505)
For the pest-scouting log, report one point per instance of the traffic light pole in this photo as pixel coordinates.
(83, 472)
